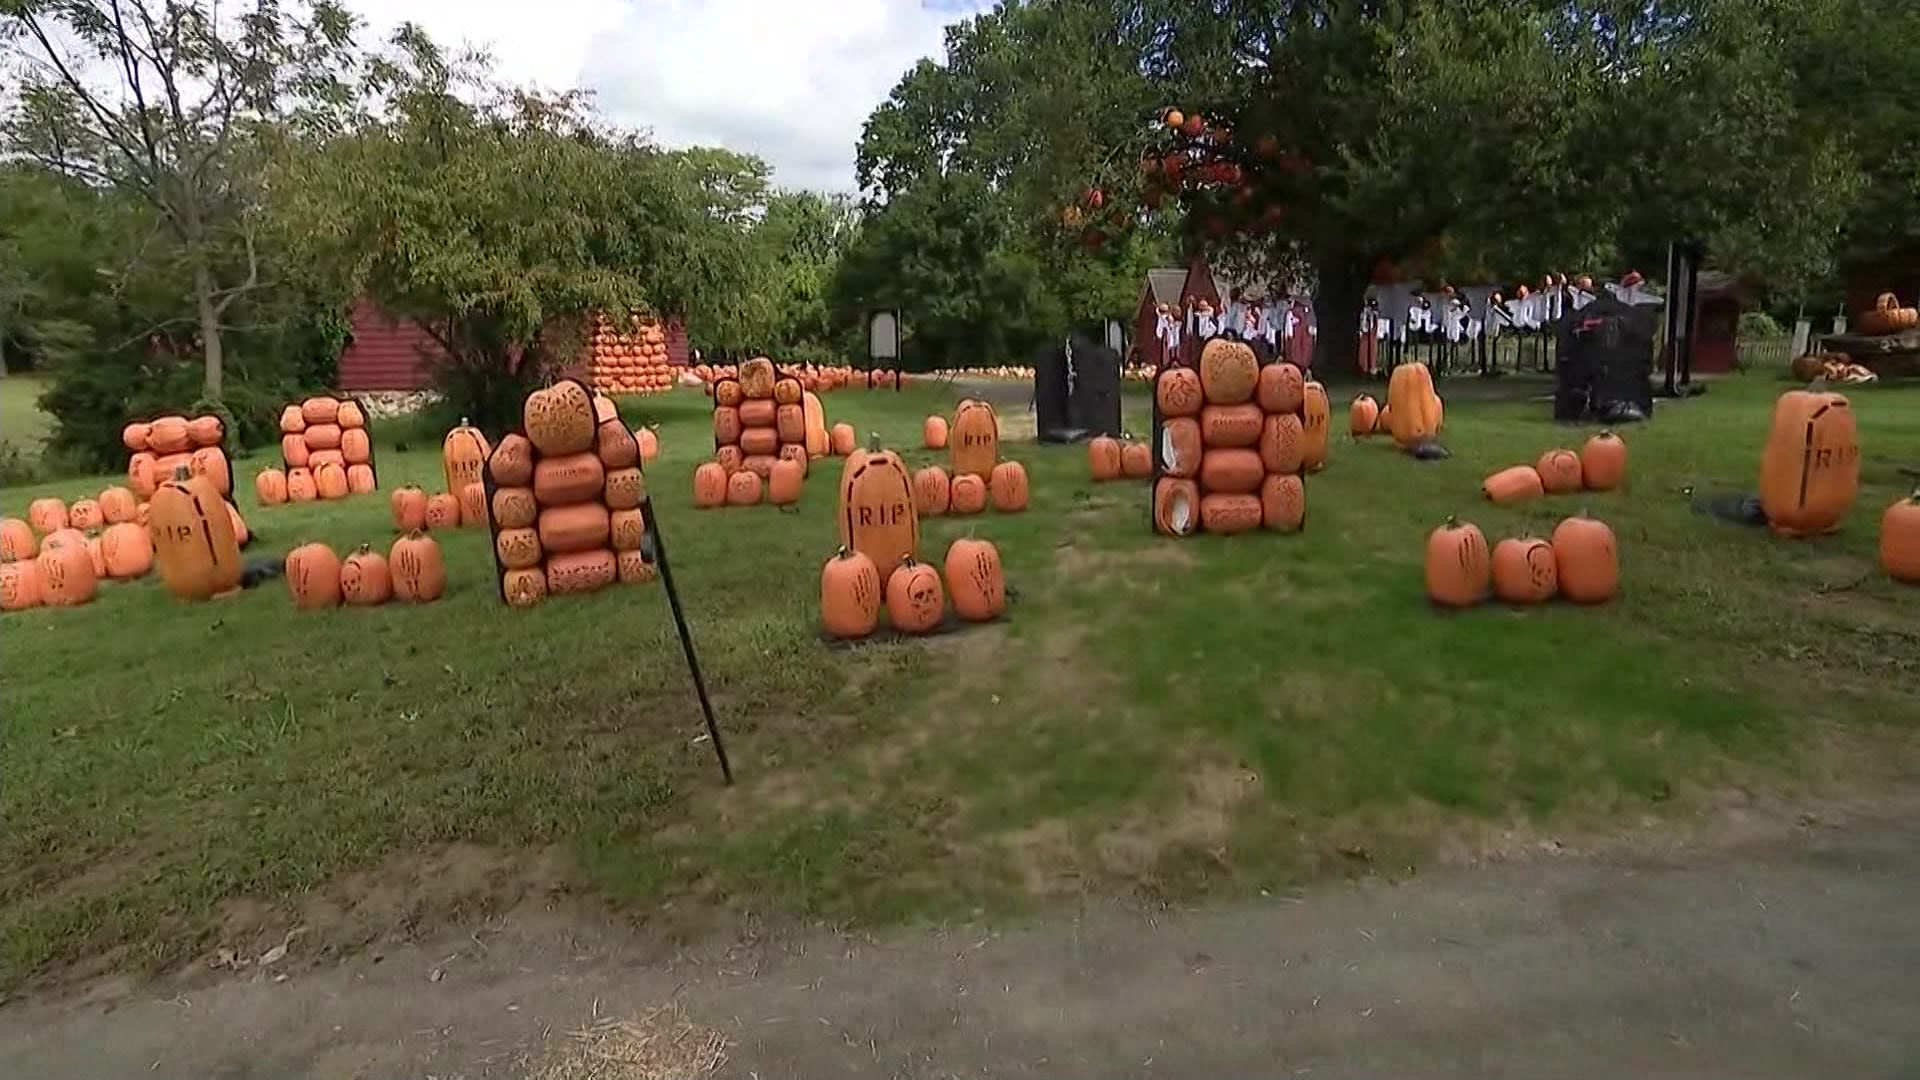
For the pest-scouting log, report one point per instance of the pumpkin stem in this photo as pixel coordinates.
(873, 441)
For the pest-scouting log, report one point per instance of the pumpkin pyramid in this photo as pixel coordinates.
(328, 449)
(629, 358)
(765, 432)
(1233, 442)
(564, 496)
(162, 446)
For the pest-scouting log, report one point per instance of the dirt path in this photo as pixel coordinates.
(1792, 955)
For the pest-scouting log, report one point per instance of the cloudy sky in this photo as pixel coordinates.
(789, 80)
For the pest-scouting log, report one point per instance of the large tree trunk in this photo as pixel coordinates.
(209, 332)
(1337, 301)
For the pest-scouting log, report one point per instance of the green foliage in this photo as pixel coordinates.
(1758, 324)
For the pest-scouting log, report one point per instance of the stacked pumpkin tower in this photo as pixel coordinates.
(564, 495)
(630, 360)
(161, 447)
(327, 448)
(1233, 442)
(764, 433)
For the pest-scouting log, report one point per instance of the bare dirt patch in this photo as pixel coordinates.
(1201, 820)
(1083, 560)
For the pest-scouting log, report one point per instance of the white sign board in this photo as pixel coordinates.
(883, 336)
(1116, 337)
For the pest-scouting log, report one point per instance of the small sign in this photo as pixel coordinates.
(1116, 337)
(883, 336)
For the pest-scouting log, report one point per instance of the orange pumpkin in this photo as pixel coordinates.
(360, 480)
(850, 595)
(784, 482)
(1283, 503)
(1177, 391)
(1229, 371)
(730, 459)
(313, 577)
(1231, 425)
(1180, 447)
(560, 420)
(211, 462)
(626, 530)
(292, 420)
(975, 439)
(931, 491)
(726, 425)
(322, 436)
(615, 445)
(68, 537)
(1316, 419)
(141, 474)
(759, 442)
(330, 480)
(790, 425)
(915, 600)
(1900, 540)
(357, 449)
(473, 505)
(409, 505)
(117, 505)
(205, 431)
(1810, 469)
(1524, 571)
(524, 588)
(1176, 506)
(511, 463)
(842, 440)
(1231, 472)
(933, 433)
(133, 437)
(709, 485)
(581, 572)
(1228, 515)
(1586, 559)
(966, 494)
(419, 572)
(1414, 408)
(624, 489)
(19, 583)
(365, 580)
(518, 549)
(1458, 566)
(579, 527)
(567, 479)
(744, 488)
(604, 409)
(194, 544)
(1560, 472)
(1103, 457)
(1283, 443)
(513, 508)
(634, 569)
(300, 486)
(757, 378)
(975, 579)
(796, 453)
(126, 551)
(350, 415)
(97, 557)
(67, 577)
(1281, 389)
(17, 540)
(1603, 462)
(1008, 487)
(47, 515)
(85, 515)
(876, 508)
(760, 465)
(168, 435)
(787, 391)
(757, 413)
(270, 487)
(293, 451)
(320, 410)
(819, 443)
(649, 441)
(1136, 459)
(1512, 486)
(727, 392)
(443, 510)
(1363, 414)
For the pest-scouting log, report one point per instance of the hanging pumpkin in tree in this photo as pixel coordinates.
(876, 509)
(850, 595)
(1810, 468)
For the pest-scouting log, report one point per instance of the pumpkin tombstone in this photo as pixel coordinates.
(1524, 571)
(1458, 565)
(1810, 469)
(463, 456)
(975, 580)
(193, 540)
(850, 595)
(975, 439)
(876, 507)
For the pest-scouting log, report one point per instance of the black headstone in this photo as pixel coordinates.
(1604, 365)
(1076, 390)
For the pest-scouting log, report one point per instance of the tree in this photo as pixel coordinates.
(800, 242)
(168, 99)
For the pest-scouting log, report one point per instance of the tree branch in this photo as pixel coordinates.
(228, 296)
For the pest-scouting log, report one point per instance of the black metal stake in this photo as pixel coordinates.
(686, 638)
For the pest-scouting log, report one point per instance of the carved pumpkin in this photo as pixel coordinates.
(193, 540)
(649, 441)
(141, 514)
(784, 482)
(730, 459)
(790, 425)
(443, 511)
(627, 530)
(604, 409)
(1231, 425)
(975, 439)
(1103, 457)
(350, 415)
(320, 410)
(330, 480)
(1512, 486)
(757, 378)
(1362, 415)
(560, 420)
(68, 537)
(615, 445)
(966, 494)
(931, 491)
(1459, 567)
(975, 579)
(511, 463)
(1283, 503)
(473, 505)
(360, 480)
(1810, 469)
(518, 549)
(205, 431)
(1524, 571)
(624, 489)
(876, 508)
(1603, 462)
(47, 515)
(323, 436)
(726, 425)
(568, 479)
(796, 453)
(19, 583)
(1180, 447)
(1414, 407)
(1316, 420)
(1282, 388)
(126, 551)
(1008, 487)
(409, 506)
(463, 455)
(512, 508)
(1900, 540)
(787, 392)
(313, 577)
(365, 580)
(85, 515)
(523, 588)
(744, 488)
(933, 433)
(634, 569)
(66, 573)
(1560, 472)
(142, 476)
(293, 451)
(1228, 371)
(850, 595)
(727, 392)
(758, 413)
(819, 443)
(1283, 444)
(1231, 472)
(240, 534)
(581, 572)
(292, 420)
(134, 436)
(97, 557)
(709, 485)
(270, 487)
(579, 527)
(168, 435)
(1178, 393)
(1230, 514)
(17, 540)
(916, 602)
(1586, 559)
(842, 440)
(1136, 459)
(419, 573)
(759, 442)
(300, 486)
(1176, 506)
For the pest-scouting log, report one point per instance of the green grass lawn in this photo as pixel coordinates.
(1161, 718)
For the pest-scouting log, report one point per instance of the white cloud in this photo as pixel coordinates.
(789, 80)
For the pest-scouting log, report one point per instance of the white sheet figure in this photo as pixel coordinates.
(1205, 323)
(1236, 320)
(1250, 328)
(1454, 319)
(1167, 329)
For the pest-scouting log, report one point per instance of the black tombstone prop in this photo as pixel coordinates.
(1605, 363)
(1076, 390)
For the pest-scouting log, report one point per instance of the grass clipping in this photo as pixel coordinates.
(662, 1044)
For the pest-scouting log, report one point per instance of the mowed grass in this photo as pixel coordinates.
(1155, 717)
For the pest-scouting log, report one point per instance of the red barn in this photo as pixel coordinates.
(1162, 287)
(388, 353)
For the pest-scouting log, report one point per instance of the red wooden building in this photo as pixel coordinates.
(388, 353)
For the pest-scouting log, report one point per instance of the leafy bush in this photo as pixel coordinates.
(1759, 324)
